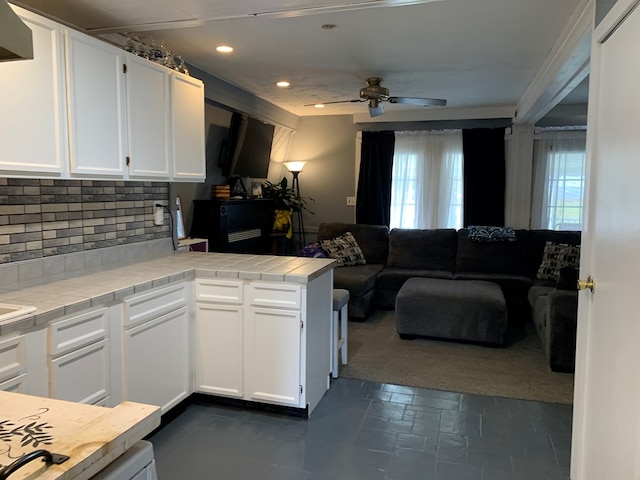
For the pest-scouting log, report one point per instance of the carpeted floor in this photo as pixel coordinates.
(520, 370)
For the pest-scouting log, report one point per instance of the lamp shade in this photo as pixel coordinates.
(294, 166)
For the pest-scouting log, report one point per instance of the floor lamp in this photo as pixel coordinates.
(295, 168)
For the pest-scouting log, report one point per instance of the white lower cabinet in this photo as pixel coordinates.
(218, 349)
(272, 359)
(157, 367)
(17, 384)
(79, 358)
(13, 366)
(83, 375)
(244, 347)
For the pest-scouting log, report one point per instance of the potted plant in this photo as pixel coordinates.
(286, 201)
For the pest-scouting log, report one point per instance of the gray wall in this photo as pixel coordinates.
(602, 8)
(328, 144)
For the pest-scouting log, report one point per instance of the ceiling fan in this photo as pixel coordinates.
(374, 93)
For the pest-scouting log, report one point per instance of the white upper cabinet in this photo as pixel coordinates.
(187, 103)
(95, 82)
(148, 115)
(73, 112)
(33, 117)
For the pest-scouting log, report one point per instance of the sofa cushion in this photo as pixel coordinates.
(555, 257)
(491, 257)
(537, 241)
(344, 249)
(536, 292)
(372, 239)
(358, 279)
(433, 249)
(393, 278)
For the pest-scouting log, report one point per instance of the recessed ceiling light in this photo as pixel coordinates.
(283, 84)
(319, 105)
(224, 49)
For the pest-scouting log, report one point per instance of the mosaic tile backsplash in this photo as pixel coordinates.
(45, 217)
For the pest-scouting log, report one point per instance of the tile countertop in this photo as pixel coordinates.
(59, 295)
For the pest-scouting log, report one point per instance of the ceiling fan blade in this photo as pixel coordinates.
(422, 102)
(355, 100)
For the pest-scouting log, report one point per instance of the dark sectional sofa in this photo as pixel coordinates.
(395, 256)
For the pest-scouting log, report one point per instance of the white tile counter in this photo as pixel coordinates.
(58, 295)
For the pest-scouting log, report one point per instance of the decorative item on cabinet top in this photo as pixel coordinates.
(147, 48)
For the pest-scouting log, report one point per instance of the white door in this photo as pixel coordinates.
(218, 349)
(33, 118)
(95, 95)
(272, 356)
(606, 433)
(156, 361)
(148, 118)
(187, 111)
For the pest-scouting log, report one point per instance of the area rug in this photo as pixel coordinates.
(377, 353)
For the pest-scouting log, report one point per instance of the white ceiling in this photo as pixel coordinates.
(474, 53)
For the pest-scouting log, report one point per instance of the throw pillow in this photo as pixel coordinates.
(555, 257)
(313, 250)
(491, 234)
(344, 249)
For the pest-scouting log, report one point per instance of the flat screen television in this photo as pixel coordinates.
(247, 151)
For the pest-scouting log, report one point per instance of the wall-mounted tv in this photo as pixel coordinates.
(247, 151)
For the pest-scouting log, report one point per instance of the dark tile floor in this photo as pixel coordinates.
(370, 431)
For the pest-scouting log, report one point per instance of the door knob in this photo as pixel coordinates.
(588, 283)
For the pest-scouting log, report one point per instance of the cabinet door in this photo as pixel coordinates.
(12, 357)
(95, 106)
(156, 366)
(33, 116)
(17, 384)
(81, 376)
(148, 111)
(272, 356)
(187, 109)
(218, 349)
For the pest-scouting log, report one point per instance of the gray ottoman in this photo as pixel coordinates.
(468, 310)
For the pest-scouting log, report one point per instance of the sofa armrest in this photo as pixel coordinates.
(561, 330)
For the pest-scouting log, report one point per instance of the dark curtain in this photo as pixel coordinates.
(373, 203)
(484, 176)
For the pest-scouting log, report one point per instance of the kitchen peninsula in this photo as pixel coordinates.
(254, 328)
(91, 437)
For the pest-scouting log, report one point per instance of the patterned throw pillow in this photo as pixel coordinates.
(313, 250)
(344, 249)
(557, 256)
(492, 234)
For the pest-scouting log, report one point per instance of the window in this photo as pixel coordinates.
(559, 180)
(426, 185)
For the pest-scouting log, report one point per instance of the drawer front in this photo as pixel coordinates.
(147, 306)
(12, 357)
(76, 332)
(276, 295)
(219, 291)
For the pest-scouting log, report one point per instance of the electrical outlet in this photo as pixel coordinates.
(351, 201)
(158, 215)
